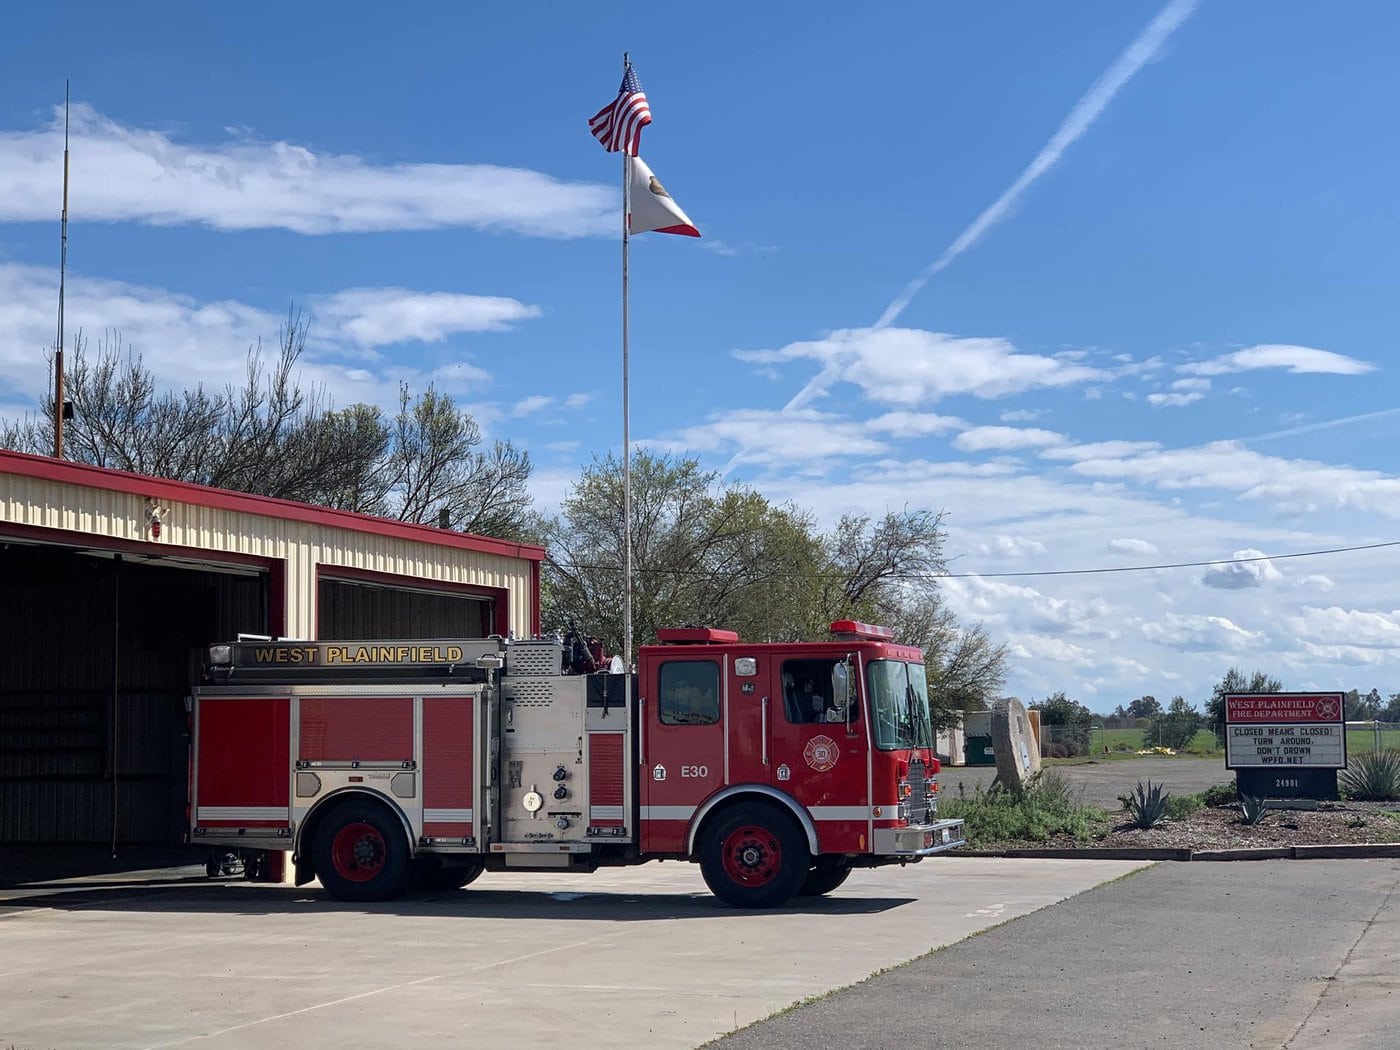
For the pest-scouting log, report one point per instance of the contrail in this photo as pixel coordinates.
(1081, 118)
(1326, 424)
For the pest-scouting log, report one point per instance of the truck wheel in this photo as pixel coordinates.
(438, 876)
(360, 853)
(754, 857)
(826, 875)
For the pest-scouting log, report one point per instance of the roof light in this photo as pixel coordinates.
(856, 629)
(695, 636)
(220, 654)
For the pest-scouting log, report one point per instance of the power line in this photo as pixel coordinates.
(1031, 572)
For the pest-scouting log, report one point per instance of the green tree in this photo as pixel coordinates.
(723, 555)
(1362, 707)
(1236, 681)
(701, 554)
(1068, 722)
(1175, 727)
(1144, 707)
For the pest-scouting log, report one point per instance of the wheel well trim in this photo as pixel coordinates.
(740, 791)
(318, 811)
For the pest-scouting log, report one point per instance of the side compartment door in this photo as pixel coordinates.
(682, 757)
(820, 751)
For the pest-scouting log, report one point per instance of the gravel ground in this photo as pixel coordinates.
(1102, 782)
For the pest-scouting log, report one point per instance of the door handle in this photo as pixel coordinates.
(764, 717)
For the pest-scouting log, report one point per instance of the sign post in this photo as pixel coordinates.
(1286, 745)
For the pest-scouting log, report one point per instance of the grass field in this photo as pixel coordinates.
(1359, 738)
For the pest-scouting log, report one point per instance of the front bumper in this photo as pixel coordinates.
(919, 840)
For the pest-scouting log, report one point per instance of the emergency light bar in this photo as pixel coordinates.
(695, 636)
(854, 629)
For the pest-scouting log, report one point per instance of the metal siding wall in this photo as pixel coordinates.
(101, 512)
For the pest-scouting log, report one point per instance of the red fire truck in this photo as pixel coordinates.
(778, 767)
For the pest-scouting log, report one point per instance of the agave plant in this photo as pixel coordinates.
(1252, 809)
(1148, 805)
(1372, 776)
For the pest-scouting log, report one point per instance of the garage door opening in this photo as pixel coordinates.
(100, 651)
(349, 608)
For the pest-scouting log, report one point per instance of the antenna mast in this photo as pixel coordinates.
(58, 400)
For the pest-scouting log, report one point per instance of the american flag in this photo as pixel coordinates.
(618, 125)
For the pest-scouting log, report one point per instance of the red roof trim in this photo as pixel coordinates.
(69, 473)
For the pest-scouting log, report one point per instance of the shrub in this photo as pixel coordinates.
(1372, 776)
(1252, 809)
(1180, 807)
(1047, 808)
(1220, 795)
(1148, 806)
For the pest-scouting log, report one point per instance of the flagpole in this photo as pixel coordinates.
(62, 270)
(626, 428)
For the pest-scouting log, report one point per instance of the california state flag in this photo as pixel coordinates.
(652, 206)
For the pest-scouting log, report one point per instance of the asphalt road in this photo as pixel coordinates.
(1295, 954)
(1103, 782)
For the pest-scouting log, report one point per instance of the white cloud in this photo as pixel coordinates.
(913, 424)
(1292, 484)
(142, 175)
(371, 317)
(1179, 400)
(1353, 628)
(907, 366)
(1318, 582)
(1296, 359)
(1132, 546)
(984, 439)
(1100, 450)
(777, 438)
(530, 405)
(1194, 633)
(577, 400)
(1000, 546)
(1240, 575)
(1022, 415)
(184, 341)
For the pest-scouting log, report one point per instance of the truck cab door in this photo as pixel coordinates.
(820, 750)
(682, 753)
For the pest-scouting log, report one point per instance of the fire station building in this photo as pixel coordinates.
(111, 586)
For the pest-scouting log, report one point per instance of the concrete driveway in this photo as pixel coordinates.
(630, 957)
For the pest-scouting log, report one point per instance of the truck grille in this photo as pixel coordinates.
(918, 793)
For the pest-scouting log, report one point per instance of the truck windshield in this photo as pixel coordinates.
(899, 704)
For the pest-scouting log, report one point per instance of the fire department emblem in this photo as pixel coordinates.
(821, 753)
(1327, 709)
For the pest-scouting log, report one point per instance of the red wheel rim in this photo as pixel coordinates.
(358, 852)
(752, 855)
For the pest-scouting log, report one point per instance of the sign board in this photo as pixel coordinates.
(1285, 729)
(1286, 745)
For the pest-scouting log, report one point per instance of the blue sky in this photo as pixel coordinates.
(1170, 339)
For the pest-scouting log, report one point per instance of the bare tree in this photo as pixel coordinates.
(274, 437)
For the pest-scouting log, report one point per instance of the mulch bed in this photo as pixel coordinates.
(1223, 828)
